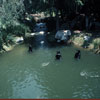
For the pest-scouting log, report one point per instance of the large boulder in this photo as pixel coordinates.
(63, 35)
(40, 27)
(79, 41)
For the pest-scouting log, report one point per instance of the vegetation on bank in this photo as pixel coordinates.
(92, 44)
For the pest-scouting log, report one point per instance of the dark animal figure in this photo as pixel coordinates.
(58, 55)
(30, 48)
(77, 55)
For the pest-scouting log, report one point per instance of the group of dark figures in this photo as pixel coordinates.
(58, 54)
(76, 56)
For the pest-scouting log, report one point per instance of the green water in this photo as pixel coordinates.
(39, 75)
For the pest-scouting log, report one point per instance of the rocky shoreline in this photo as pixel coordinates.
(77, 39)
(10, 46)
(92, 44)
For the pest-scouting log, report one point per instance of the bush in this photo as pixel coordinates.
(20, 30)
(96, 42)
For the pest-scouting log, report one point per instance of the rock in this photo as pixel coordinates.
(77, 31)
(18, 40)
(7, 48)
(63, 35)
(79, 41)
(91, 46)
(86, 38)
(96, 41)
(40, 27)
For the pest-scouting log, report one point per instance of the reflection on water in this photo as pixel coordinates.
(39, 75)
(22, 88)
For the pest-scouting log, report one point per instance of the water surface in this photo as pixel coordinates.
(39, 75)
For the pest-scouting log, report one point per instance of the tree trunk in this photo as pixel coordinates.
(57, 20)
(87, 22)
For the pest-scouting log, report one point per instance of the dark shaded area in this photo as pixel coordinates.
(50, 22)
(41, 41)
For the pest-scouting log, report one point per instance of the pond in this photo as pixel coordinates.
(39, 75)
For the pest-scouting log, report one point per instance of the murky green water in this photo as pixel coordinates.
(38, 75)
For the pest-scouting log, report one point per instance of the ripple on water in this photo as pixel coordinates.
(45, 64)
(83, 92)
(87, 74)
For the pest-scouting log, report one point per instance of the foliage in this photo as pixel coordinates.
(20, 30)
(10, 12)
(96, 42)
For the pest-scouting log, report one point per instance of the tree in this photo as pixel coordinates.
(10, 13)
